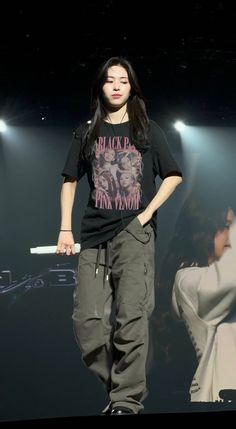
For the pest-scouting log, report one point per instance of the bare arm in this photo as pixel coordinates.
(164, 192)
(66, 244)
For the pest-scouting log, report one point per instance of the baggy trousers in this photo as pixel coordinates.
(111, 316)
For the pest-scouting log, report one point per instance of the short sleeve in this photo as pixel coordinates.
(74, 165)
(163, 160)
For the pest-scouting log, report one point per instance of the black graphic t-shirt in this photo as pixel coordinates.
(121, 179)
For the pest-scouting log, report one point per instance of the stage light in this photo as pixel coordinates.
(3, 126)
(179, 126)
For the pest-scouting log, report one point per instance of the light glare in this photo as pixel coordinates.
(3, 126)
(179, 126)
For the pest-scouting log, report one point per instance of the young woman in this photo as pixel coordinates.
(204, 292)
(113, 300)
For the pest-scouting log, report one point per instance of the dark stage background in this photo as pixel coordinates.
(186, 64)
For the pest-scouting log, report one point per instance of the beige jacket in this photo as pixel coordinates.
(205, 299)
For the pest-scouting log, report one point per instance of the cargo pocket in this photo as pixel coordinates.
(141, 233)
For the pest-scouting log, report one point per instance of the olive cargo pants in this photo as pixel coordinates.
(111, 314)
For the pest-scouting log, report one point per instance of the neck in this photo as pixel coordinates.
(118, 116)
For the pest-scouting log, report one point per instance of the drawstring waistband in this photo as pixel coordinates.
(98, 259)
(107, 259)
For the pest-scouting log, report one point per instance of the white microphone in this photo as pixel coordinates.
(46, 250)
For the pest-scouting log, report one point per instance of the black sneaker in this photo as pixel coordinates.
(119, 411)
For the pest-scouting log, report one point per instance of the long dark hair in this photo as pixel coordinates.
(135, 107)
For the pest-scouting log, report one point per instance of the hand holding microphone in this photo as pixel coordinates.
(47, 250)
(66, 244)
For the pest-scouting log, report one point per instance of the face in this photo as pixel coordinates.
(126, 180)
(125, 163)
(103, 182)
(116, 89)
(221, 241)
(109, 155)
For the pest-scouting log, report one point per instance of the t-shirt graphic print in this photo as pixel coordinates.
(117, 174)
